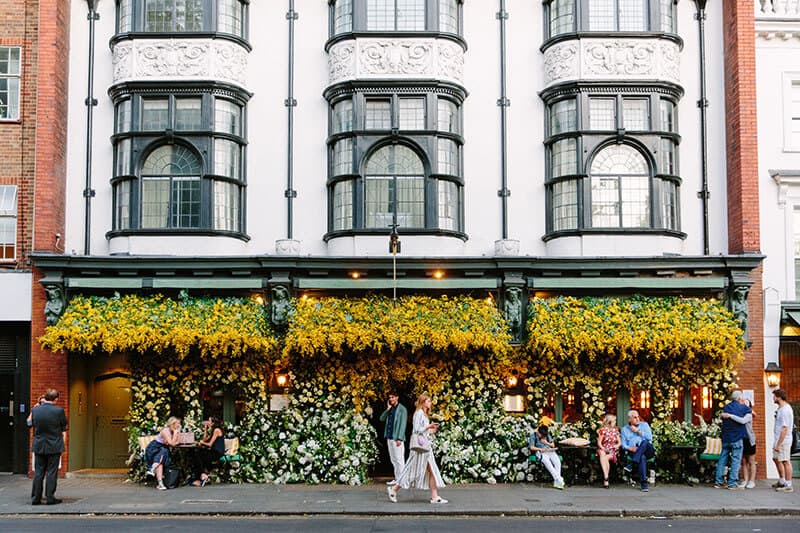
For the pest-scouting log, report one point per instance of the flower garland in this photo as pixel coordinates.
(214, 327)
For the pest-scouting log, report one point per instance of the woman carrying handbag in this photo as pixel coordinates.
(420, 471)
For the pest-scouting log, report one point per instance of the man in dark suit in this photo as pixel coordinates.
(49, 432)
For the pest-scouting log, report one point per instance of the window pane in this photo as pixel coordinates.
(667, 115)
(9, 60)
(448, 116)
(378, 115)
(448, 205)
(412, 113)
(602, 114)
(564, 157)
(125, 14)
(378, 202)
(122, 200)
(185, 202)
(601, 15)
(343, 157)
(380, 15)
(620, 188)
(635, 114)
(229, 16)
(448, 157)
(227, 117)
(563, 116)
(667, 157)
(565, 205)
(124, 116)
(172, 160)
(667, 16)
(395, 160)
(342, 116)
(635, 202)
(343, 205)
(411, 201)
(669, 205)
(410, 15)
(9, 82)
(562, 17)
(188, 114)
(448, 16)
(632, 15)
(605, 202)
(155, 114)
(155, 202)
(123, 156)
(343, 16)
(8, 222)
(173, 15)
(226, 206)
(227, 158)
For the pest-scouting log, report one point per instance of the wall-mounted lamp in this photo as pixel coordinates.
(773, 372)
(438, 274)
(512, 381)
(259, 299)
(282, 380)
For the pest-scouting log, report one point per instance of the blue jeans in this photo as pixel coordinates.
(734, 450)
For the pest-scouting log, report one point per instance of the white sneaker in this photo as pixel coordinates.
(785, 488)
(392, 494)
(151, 471)
(161, 486)
(750, 485)
(438, 499)
(392, 482)
(743, 484)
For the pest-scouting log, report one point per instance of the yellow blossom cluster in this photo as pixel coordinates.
(216, 327)
(415, 324)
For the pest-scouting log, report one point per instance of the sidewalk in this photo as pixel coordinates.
(117, 496)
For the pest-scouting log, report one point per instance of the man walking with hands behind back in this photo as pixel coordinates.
(49, 432)
(395, 416)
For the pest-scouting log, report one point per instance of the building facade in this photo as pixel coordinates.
(33, 129)
(515, 147)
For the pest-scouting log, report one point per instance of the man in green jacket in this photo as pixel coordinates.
(395, 417)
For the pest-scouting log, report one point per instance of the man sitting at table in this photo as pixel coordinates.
(637, 438)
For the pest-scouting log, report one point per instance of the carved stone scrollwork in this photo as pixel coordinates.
(561, 61)
(513, 310)
(340, 62)
(396, 57)
(280, 306)
(54, 307)
(620, 58)
(172, 58)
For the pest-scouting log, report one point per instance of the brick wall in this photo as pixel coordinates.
(46, 197)
(742, 181)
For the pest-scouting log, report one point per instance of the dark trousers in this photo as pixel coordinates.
(45, 464)
(639, 458)
(203, 459)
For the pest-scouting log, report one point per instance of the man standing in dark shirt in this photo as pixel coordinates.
(49, 431)
(732, 434)
(395, 416)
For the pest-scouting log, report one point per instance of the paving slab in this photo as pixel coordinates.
(118, 496)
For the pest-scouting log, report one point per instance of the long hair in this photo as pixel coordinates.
(171, 420)
(609, 420)
(216, 423)
(421, 402)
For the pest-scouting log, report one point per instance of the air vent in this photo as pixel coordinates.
(8, 354)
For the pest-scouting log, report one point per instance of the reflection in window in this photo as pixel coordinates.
(667, 16)
(173, 15)
(343, 157)
(155, 114)
(603, 114)
(227, 158)
(669, 204)
(796, 236)
(227, 117)
(188, 115)
(563, 156)
(394, 188)
(562, 17)
(343, 116)
(343, 16)
(124, 116)
(123, 157)
(563, 116)
(400, 15)
(412, 113)
(343, 205)
(230, 15)
(125, 15)
(448, 16)
(565, 205)
(667, 157)
(226, 206)
(667, 115)
(378, 115)
(122, 202)
(448, 157)
(448, 205)
(635, 114)
(448, 116)
(171, 188)
(8, 222)
(620, 188)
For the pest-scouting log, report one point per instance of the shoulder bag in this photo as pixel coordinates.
(420, 443)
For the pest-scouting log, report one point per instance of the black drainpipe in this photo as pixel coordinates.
(503, 102)
(290, 104)
(91, 102)
(704, 193)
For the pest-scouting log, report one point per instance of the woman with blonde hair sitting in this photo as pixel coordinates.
(608, 443)
(157, 452)
(420, 470)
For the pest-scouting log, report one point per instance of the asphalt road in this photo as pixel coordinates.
(409, 524)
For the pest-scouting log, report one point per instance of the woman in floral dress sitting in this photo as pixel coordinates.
(608, 443)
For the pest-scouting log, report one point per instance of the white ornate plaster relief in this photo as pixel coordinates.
(396, 58)
(186, 59)
(613, 59)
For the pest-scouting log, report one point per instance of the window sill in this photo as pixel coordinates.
(395, 35)
(403, 232)
(611, 35)
(244, 43)
(613, 231)
(177, 232)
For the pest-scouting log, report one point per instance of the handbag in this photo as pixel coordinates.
(420, 443)
(795, 447)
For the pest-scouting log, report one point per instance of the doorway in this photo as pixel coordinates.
(7, 422)
(112, 399)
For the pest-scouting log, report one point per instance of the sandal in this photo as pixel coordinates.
(392, 494)
(438, 499)
(605, 483)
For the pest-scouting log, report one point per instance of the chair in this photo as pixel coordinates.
(231, 458)
(626, 459)
(713, 449)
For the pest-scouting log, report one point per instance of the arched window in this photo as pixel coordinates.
(620, 188)
(171, 188)
(394, 188)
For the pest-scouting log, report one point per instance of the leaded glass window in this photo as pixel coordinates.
(227, 158)
(447, 157)
(562, 17)
(667, 16)
(448, 205)
(173, 15)
(564, 156)
(342, 116)
(636, 114)
(155, 114)
(412, 113)
(226, 206)
(227, 117)
(125, 15)
(394, 188)
(565, 205)
(122, 205)
(123, 157)
(620, 188)
(343, 16)
(343, 157)
(563, 116)
(602, 114)
(667, 156)
(667, 115)
(343, 205)
(378, 114)
(448, 116)
(448, 16)
(124, 116)
(230, 15)
(399, 15)
(171, 188)
(188, 114)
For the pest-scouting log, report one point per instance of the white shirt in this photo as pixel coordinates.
(784, 417)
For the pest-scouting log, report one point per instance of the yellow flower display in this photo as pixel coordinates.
(215, 327)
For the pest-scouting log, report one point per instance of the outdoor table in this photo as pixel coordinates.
(574, 458)
(687, 462)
